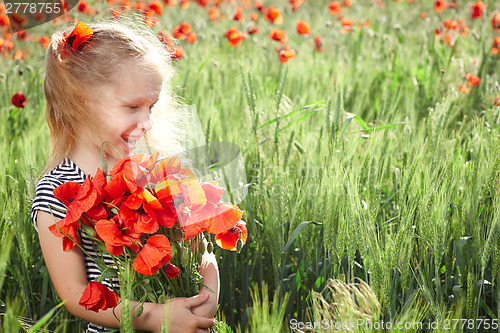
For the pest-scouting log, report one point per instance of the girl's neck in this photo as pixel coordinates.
(90, 160)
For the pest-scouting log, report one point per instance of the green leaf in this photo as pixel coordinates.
(296, 232)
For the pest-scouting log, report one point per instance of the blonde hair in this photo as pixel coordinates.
(72, 80)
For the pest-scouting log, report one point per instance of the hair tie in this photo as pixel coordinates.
(80, 34)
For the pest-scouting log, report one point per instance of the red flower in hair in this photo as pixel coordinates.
(80, 34)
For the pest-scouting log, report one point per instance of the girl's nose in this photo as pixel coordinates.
(146, 123)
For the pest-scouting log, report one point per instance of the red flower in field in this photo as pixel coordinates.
(116, 235)
(156, 6)
(477, 10)
(472, 80)
(274, 15)
(228, 240)
(182, 30)
(22, 35)
(495, 22)
(234, 36)
(18, 55)
(184, 4)
(464, 89)
(238, 14)
(347, 3)
(286, 54)
(19, 100)
(203, 3)
(496, 45)
(254, 16)
(278, 35)
(192, 38)
(318, 44)
(98, 297)
(260, 7)
(253, 30)
(84, 7)
(347, 24)
(172, 271)
(303, 28)
(213, 13)
(423, 15)
(116, 13)
(44, 41)
(440, 5)
(497, 101)
(4, 20)
(170, 3)
(153, 255)
(335, 8)
(296, 4)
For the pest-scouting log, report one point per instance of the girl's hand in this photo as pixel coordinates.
(181, 319)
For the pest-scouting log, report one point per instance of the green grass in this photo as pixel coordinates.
(411, 209)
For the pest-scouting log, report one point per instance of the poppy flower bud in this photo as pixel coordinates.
(174, 251)
(88, 230)
(201, 247)
(199, 258)
(210, 247)
(239, 245)
(184, 258)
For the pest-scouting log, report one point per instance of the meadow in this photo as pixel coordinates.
(372, 158)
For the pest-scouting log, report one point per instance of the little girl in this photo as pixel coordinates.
(101, 84)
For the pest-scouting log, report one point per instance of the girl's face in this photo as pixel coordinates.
(121, 113)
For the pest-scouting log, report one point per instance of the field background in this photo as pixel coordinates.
(365, 162)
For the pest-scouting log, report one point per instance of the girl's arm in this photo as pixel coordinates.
(67, 271)
(210, 272)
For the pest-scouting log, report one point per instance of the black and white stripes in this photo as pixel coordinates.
(68, 171)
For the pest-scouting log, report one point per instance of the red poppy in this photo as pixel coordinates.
(225, 217)
(254, 16)
(44, 41)
(464, 89)
(199, 206)
(184, 4)
(238, 14)
(170, 3)
(440, 5)
(347, 24)
(274, 15)
(182, 30)
(347, 3)
(172, 271)
(192, 38)
(495, 22)
(286, 54)
(22, 35)
(84, 7)
(97, 297)
(303, 28)
(318, 44)
(19, 100)
(296, 4)
(278, 35)
(213, 13)
(472, 80)
(156, 6)
(477, 10)
(228, 240)
(80, 34)
(259, 6)
(335, 7)
(234, 36)
(496, 45)
(116, 235)
(149, 18)
(203, 3)
(153, 255)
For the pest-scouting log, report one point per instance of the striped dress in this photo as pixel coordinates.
(68, 171)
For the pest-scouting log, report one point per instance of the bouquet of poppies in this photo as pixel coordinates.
(151, 216)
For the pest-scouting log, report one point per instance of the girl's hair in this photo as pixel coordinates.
(72, 80)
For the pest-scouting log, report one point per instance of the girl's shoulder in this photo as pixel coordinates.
(66, 171)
